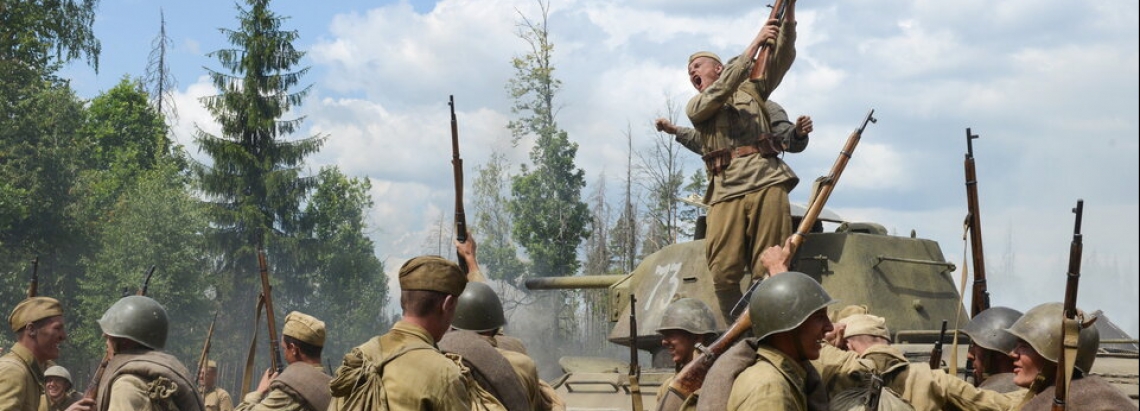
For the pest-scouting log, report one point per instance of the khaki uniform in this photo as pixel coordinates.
(300, 387)
(218, 400)
(1090, 393)
(748, 201)
(775, 382)
(916, 383)
(413, 374)
(69, 398)
(1002, 383)
(146, 380)
(21, 380)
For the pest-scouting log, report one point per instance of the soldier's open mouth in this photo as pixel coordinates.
(696, 81)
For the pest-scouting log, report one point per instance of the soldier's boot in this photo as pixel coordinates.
(727, 300)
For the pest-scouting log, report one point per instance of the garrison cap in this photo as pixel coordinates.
(432, 273)
(708, 54)
(33, 309)
(850, 310)
(305, 328)
(211, 364)
(866, 324)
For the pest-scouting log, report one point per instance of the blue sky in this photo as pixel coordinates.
(1051, 89)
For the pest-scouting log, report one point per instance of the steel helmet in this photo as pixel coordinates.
(1040, 327)
(988, 329)
(479, 309)
(784, 301)
(688, 314)
(57, 371)
(137, 318)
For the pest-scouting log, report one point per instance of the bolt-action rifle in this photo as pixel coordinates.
(764, 53)
(1070, 325)
(34, 285)
(203, 359)
(692, 376)
(634, 368)
(980, 301)
(936, 352)
(93, 385)
(457, 166)
(274, 348)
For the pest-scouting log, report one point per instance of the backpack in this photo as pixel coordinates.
(871, 391)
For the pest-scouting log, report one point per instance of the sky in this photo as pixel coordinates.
(1051, 88)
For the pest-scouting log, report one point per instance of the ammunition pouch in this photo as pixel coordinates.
(767, 145)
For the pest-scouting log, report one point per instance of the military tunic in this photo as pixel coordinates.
(69, 398)
(21, 380)
(748, 200)
(300, 387)
(218, 400)
(1001, 383)
(775, 382)
(1090, 393)
(419, 378)
(146, 380)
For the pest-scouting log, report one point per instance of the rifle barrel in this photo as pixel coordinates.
(457, 168)
(980, 300)
(275, 358)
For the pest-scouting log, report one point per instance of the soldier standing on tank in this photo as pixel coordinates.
(1038, 334)
(214, 397)
(58, 392)
(39, 327)
(990, 345)
(685, 323)
(748, 181)
(403, 367)
(304, 384)
(140, 376)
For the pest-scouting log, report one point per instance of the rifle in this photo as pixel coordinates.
(936, 352)
(692, 376)
(93, 384)
(634, 368)
(34, 285)
(202, 359)
(274, 348)
(980, 300)
(764, 53)
(457, 165)
(875, 393)
(1070, 327)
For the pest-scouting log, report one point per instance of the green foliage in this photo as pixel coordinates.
(42, 33)
(493, 221)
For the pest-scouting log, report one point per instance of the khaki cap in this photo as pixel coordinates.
(866, 324)
(33, 309)
(849, 311)
(432, 273)
(211, 364)
(708, 54)
(305, 328)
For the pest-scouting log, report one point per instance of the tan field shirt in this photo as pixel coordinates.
(776, 382)
(21, 380)
(218, 400)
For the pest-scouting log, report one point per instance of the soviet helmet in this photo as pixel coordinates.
(688, 314)
(57, 371)
(1040, 327)
(988, 329)
(479, 309)
(137, 318)
(784, 301)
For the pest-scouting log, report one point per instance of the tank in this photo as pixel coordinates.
(906, 279)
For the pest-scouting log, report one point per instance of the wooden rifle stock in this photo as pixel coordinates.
(203, 359)
(936, 352)
(457, 167)
(764, 52)
(980, 300)
(692, 376)
(1070, 326)
(634, 368)
(34, 285)
(274, 348)
(93, 385)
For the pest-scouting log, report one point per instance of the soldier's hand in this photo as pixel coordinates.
(803, 126)
(266, 379)
(663, 124)
(775, 258)
(84, 404)
(835, 337)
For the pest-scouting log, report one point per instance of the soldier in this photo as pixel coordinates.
(794, 136)
(685, 323)
(214, 397)
(403, 369)
(303, 385)
(58, 392)
(990, 345)
(140, 376)
(789, 319)
(748, 182)
(39, 327)
(1038, 334)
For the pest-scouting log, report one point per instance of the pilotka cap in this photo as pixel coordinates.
(33, 309)
(432, 273)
